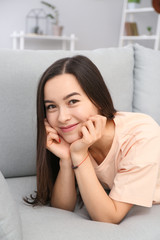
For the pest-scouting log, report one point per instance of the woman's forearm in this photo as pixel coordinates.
(64, 193)
(99, 205)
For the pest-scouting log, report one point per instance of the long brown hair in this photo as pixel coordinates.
(91, 81)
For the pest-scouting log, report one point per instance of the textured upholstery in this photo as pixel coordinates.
(147, 82)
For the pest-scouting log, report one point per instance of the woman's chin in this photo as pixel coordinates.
(71, 139)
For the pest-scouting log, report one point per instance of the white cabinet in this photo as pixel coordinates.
(130, 14)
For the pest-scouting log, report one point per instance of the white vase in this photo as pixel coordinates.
(133, 5)
(57, 30)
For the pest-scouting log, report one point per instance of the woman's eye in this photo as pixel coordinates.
(73, 101)
(50, 107)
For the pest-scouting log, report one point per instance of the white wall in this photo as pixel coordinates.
(96, 23)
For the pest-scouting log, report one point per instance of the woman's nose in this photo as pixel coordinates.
(64, 115)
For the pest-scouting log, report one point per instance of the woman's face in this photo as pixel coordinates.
(67, 106)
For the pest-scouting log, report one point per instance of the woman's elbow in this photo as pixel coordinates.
(63, 206)
(115, 219)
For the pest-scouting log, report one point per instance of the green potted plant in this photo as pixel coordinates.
(133, 4)
(54, 16)
(149, 30)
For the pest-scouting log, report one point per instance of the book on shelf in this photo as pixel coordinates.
(131, 29)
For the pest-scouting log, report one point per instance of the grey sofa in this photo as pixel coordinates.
(132, 74)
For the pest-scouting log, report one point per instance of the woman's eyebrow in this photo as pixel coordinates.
(70, 95)
(48, 101)
(66, 97)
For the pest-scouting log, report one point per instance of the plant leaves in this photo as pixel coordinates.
(48, 4)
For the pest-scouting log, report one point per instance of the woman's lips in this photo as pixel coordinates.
(68, 128)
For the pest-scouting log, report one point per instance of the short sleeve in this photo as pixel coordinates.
(136, 178)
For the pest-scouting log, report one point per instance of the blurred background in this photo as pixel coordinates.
(95, 23)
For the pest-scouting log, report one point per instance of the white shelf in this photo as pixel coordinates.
(19, 38)
(142, 37)
(128, 15)
(139, 10)
(51, 37)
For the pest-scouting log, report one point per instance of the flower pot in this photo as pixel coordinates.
(57, 30)
(133, 5)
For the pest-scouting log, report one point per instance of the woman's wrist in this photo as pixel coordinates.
(78, 159)
(76, 166)
(65, 163)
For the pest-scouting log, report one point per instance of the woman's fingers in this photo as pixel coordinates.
(48, 127)
(93, 129)
(46, 123)
(90, 126)
(51, 138)
(99, 120)
(52, 134)
(88, 131)
(96, 124)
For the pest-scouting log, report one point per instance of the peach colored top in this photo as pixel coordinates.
(131, 170)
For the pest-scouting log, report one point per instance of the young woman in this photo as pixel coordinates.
(83, 141)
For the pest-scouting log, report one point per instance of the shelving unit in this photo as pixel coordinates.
(130, 13)
(18, 40)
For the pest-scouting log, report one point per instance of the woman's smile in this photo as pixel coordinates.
(69, 128)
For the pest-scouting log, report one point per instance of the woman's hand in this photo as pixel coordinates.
(92, 131)
(55, 143)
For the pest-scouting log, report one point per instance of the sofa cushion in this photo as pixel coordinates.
(39, 223)
(10, 224)
(19, 75)
(48, 223)
(147, 82)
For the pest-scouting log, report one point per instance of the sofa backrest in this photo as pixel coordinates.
(146, 97)
(20, 72)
